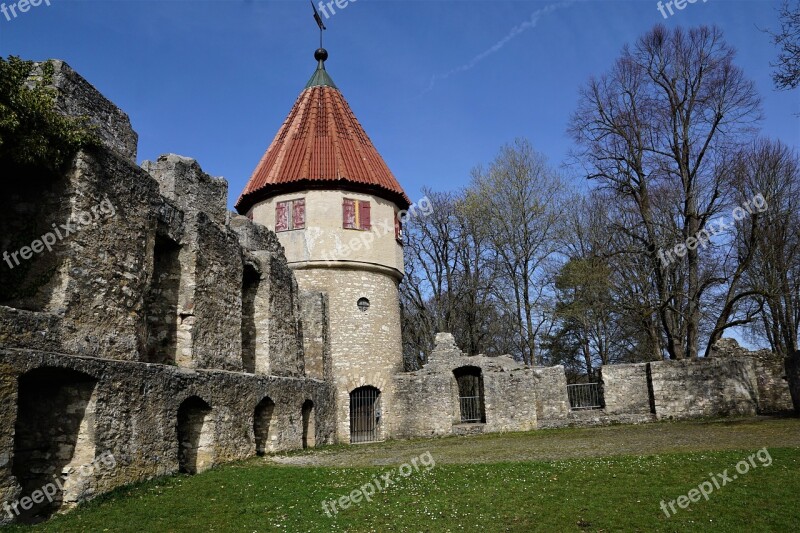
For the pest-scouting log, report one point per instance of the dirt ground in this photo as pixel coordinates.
(556, 444)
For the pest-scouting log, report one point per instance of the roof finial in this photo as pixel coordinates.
(321, 55)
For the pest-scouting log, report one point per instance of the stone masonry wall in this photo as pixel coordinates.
(514, 395)
(136, 414)
(773, 390)
(732, 381)
(625, 388)
(316, 346)
(133, 320)
(278, 320)
(365, 346)
(76, 97)
(92, 302)
(552, 403)
(704, 388)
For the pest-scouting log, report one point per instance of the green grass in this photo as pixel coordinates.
(612, 493)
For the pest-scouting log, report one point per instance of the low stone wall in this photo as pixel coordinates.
(135, 416)
(626, 389)
(427, 400)
(594, 417)
(704, 388)
(423, 405)
(773, 389)
(552, 402)
(732, 381)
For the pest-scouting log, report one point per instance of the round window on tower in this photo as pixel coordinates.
(363, 304)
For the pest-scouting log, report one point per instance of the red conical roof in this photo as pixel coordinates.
(321, 145)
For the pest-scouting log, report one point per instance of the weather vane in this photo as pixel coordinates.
(319, 22)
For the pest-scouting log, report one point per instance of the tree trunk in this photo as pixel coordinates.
(793, 377)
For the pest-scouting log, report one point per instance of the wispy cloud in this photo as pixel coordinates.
(515, 31)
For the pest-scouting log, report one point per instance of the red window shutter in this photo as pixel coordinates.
(281, 217)
(299, 214)
(349, 214)
(363, 212)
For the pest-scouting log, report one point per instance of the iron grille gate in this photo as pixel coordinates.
(585, 396)
(364, 414)
(470, 409)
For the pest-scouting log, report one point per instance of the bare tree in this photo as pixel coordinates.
(520, 198)
(450, 280)
(426, 294)
(656, 131)
(772, 170)
(787, 68)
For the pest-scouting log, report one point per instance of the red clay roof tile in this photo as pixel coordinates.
(320, 145)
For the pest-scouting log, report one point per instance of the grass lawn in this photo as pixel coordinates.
(583, 492)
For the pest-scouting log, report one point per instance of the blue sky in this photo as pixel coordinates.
(438, 85)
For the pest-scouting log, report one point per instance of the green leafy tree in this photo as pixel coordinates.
(32, 132)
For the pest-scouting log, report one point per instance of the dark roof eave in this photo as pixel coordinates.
(248, 200)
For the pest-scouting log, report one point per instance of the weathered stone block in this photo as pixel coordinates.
(76, 97)
(183, 181)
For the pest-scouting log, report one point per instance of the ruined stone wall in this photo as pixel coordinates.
(92, 298)
(733, 380)
(424, 405)
(773, 390)
(625, 388)
(552, 402)
(99, 299)
(136, 309)
(135, 416)
(76, 97)
(217, 309)
(427, 400)
(316, 346)
(704, 388)
(278, 316)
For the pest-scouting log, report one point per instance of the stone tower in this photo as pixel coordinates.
(329, 196)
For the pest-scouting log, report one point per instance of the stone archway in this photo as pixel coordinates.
(365, 414)
(54, 436)
(472, 409)
(196, 430)
(309, 424)
(262, 422)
